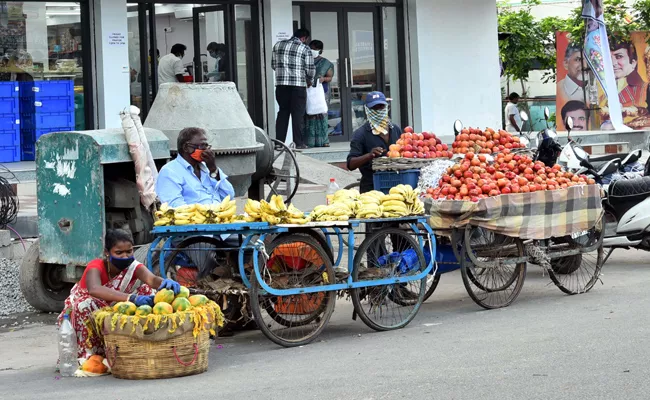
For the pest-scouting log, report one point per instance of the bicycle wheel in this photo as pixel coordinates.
(355, 185)
(496, 282)
(295, 261)
(389, 253)
(585, 270)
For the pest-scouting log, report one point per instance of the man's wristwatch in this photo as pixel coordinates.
(214, 174)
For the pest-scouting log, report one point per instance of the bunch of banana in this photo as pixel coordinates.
(394, 208)
(345, 194)
(219, 213)
(253, 211)
(164, 216)
(401, 201)
(340, 211)
(407, 192)
(372, 197)
(274, 212)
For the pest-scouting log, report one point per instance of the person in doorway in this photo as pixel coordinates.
(170, 67)
(294, 68)
(316, 126)
(577, 111)
(372, 139)
(116, 277)
(218, 52)
(513, 120)
(193, 176)
(572, 87)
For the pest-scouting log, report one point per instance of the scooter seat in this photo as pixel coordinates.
(626, 158)
(623, 188)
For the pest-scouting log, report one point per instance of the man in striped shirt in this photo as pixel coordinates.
(294, 69)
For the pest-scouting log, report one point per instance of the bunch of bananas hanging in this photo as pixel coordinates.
(274, 212)
(401, 201)
(370, 205)
(218, 213)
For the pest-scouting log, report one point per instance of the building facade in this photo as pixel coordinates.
(436, 59)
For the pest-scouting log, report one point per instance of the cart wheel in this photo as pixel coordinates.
(584, 270)
(499, 284)
(388, 306)
(432, 285)
(295, 261)
(284, 178)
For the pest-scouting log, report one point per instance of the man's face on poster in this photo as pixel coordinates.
(579, 119)
(574, 66)
(623, 65)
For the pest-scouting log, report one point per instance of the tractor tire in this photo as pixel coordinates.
(41, 284)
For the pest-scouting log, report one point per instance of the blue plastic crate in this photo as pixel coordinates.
(59, 104)
(9, 153)
(28, 152)
(43, 89)
(9, 122)
(32, 135)
(9, 105)
(385, 180)
(10, 137)
(9, 89)
(64, 121)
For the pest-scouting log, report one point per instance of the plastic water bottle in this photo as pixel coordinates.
(67, 348)
(331, 189)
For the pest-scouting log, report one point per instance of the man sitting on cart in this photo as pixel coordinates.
(372, 139)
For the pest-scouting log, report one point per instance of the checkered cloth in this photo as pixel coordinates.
(537, 215)
(293, 63)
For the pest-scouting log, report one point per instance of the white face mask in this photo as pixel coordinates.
(315, 53)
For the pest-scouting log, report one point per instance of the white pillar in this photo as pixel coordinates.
(112, 61)
(278, 24)
(454, 64)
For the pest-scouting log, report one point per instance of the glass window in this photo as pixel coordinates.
(41, 49)
(391, 62)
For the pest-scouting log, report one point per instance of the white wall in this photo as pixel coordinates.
(454, 64)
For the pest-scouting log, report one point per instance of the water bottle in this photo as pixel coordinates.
(331, 189)
(67, 348)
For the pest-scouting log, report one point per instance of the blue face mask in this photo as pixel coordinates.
(121, 263)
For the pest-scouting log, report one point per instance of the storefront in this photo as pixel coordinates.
(437, 60)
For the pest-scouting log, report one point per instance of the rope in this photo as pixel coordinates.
(8, 200)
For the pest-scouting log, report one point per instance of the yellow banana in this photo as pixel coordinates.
(249, 218)
(388, 197)
(162, 222)
(182, 222)
(227, 213)
(393, 203)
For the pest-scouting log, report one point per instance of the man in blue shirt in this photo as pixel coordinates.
(193, 177)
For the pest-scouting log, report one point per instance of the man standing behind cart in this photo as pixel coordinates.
(372, 139)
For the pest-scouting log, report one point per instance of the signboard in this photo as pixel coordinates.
(116, 39)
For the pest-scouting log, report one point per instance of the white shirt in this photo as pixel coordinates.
(511, 109)
(572, 91)
(168, 67)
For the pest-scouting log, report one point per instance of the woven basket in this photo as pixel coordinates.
(132, 358)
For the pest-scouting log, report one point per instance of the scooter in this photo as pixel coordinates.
(545, 142)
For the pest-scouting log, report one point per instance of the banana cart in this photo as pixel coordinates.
(289, 276)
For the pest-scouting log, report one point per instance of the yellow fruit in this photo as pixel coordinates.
(198, 300)
(164, 296)
(185, 292)
(163, 309)
(143, 311)
(181, 304)
(124, 307)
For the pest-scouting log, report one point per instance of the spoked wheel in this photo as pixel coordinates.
(431, 285)
(284, 178)
(583, 271)
(490, 276)
(385, 255)
(295, 261)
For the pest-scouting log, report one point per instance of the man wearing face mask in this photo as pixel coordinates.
(220, 72)
(372, 139)
(170, 67)
(193, 177)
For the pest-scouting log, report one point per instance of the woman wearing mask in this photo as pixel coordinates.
(218, 52)
(316, 127)
(116, 277)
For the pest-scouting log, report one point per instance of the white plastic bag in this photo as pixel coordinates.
(316, 103)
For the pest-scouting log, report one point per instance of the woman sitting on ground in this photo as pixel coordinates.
(116, 277)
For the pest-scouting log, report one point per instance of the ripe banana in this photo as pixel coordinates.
(163, 222)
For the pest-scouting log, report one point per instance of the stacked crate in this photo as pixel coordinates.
(9, 122)
(45, 106)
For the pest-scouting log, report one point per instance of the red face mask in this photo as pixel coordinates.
(197, 155)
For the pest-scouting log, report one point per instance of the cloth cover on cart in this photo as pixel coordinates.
(536, 215)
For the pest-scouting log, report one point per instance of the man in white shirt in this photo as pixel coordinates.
(573, 87)
(513, 120)
(170, 67)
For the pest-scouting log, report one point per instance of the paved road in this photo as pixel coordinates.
(545, 346)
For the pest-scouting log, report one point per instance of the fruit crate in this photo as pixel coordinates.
(30, 137)
(64, 121)
(9, 122)
(9, 89)
(61, 104)
(10, 137)
(9, 105)
(9, 153)
(44, 89)
(385, 180)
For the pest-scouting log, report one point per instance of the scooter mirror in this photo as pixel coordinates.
(547, 113)
(458, 127)
(524, 140)
(551, 134)
(523, 115)
(569, 122)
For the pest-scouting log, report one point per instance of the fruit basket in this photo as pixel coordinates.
(160, 344)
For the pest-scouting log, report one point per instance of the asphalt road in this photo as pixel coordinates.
(545, 346)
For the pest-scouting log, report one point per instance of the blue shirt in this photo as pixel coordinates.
(177, 185)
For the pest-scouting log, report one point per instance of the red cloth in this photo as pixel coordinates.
(99, 265)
